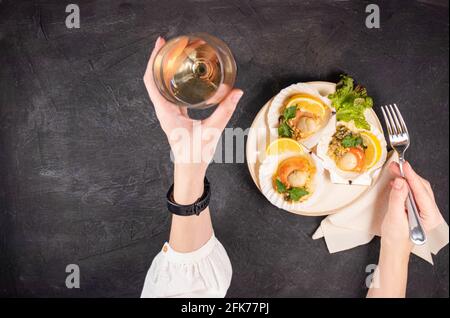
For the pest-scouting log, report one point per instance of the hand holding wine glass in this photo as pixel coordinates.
(187, 138)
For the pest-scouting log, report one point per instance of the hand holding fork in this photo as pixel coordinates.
(400, 140)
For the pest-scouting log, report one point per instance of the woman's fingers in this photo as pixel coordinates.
(162, 106)
(184, 112)
(422, 194)
(224, 111)
(155, 96)
(395, 171)
(397, 197)
(411, 174)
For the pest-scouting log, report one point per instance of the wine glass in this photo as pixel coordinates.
(195, 71)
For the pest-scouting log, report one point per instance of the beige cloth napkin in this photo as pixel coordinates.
(357, 223)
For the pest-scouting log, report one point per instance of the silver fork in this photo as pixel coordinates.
(399, 139)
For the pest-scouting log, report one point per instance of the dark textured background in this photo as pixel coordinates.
(84, 165)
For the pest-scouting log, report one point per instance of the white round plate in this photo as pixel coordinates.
(334, 196)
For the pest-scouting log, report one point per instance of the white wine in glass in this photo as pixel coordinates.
(195, 71)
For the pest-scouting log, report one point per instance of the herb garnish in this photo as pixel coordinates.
(293, 194)
(281, 188)
(284, 130)
(296, 194)
(290, 112)
(352, 141)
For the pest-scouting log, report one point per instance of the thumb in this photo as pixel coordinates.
(224, 111)
(398, 196)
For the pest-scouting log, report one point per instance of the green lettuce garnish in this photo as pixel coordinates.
(350, 102)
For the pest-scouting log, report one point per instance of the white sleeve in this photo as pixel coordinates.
(205, 272)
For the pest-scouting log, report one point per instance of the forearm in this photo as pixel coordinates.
(189, 233)
(391, 275)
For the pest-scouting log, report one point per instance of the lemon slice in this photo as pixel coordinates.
(282, 145)
(373, 150)
(308, 104)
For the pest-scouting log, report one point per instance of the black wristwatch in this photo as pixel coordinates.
(190, 209)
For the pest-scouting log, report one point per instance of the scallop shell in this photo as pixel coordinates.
(269, 167)
(277, 104)
(330, 165)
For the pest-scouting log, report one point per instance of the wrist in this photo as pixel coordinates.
(189, 171)
(398, 252)
(391, 275)
(188, 182)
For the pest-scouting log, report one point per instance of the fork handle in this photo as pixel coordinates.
(416, 232)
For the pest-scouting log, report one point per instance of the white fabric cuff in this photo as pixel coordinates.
(205, 272)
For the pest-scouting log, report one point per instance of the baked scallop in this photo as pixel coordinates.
(299, 112)
(352, 153)
(291, 181)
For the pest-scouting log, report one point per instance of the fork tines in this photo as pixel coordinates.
(394, 120)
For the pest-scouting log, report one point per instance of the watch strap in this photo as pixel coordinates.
(190, 209)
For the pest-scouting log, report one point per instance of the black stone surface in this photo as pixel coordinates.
(84, 165)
